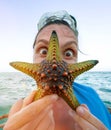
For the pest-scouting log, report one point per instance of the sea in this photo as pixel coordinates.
(17, 85)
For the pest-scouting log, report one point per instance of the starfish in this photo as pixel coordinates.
(53, 75)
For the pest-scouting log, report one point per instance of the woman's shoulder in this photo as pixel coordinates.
(83, 88)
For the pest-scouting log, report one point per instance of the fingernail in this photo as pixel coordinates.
(54, 97)
(80, 110)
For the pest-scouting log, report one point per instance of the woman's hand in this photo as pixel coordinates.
(28, 115)
(50, 113)
(85, 120)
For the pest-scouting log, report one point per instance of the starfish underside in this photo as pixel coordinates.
(53, 75)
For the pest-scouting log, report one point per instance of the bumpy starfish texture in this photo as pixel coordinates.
(53, 75)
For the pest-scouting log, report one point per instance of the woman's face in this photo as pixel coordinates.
(67, 42)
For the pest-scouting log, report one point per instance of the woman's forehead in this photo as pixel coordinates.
(62, 31)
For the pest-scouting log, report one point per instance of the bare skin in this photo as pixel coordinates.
(52, 112)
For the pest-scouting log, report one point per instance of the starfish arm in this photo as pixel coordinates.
(28, 68)
(70, 98)
(78, 68)
(54, 50)
(74, 101)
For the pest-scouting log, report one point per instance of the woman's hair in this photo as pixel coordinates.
(60, 17)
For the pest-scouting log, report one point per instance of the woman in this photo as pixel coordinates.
(52, 112)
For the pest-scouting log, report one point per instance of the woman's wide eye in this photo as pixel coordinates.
(69, 53)
(43, 51)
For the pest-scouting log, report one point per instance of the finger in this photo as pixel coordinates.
(30, 112)
(29, 99)
(84, 113)
(51, 126)
(35, 122)
(77, 126)
(81, 122)
(47, 122)
(52, 122)
(22, 103)
(16, 107)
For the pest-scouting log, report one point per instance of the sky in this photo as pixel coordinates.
(18, 27)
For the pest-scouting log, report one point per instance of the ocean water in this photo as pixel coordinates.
(16, 85)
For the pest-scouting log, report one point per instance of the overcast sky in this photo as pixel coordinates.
(18, 27)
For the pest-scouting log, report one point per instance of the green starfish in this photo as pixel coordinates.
(53, 75)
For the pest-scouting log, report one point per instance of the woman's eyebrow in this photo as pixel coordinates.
(42, 41)
(69, 43)
(39, 42)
